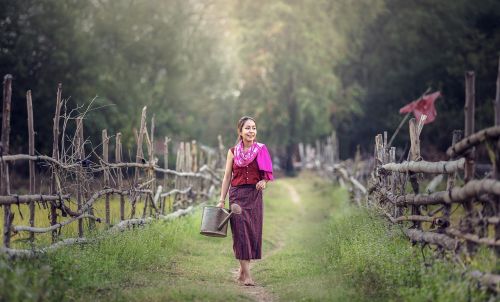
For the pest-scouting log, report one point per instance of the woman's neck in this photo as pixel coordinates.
(247, 144)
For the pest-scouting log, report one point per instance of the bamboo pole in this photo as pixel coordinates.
(496, 172)
(79, 193)
(450, 182)
(426, 167)
(220, 157)
(497, 97)
(461, 147)
(105, 158)
(22, 199)
(139, 156)
(118, 159)
(415, 156)
(151, 171)
(5, 181)
(165, 175)
(31, 140)
(469, 109)
(55, 155)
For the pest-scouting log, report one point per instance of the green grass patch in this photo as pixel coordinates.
(320, 249)
(163, 261)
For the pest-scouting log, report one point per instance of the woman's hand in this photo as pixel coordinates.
(261, 185)
(221, 203)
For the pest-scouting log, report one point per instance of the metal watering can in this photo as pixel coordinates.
(214, 221)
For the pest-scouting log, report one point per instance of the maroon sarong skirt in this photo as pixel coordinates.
(247, 226)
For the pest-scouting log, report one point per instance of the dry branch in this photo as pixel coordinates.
(53, 227)
(15, 199)
(185, 191)
(413, 199)
(472, 237)
(426, 167)
(432, 238)
(23, 253)
(492, 281)
(473, 140)
(133, 222)
(474, 188)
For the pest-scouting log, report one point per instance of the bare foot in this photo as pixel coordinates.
(241, 276)
(248, 282)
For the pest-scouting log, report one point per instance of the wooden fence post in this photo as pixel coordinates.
(497, 97)
(79, 152)
(496, 172)
(8, 216)
(31, 140)
(450, 182)
(165, 175)
(187, 164)
(221, 157)
(55, 155)
(469, 109)
(415, 156)
(139, 157)
(105, 158)
(118, 159)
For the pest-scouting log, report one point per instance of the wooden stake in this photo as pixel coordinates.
(221, 157)
(118, 159)
(79, 192)
(469, 109)
(55, 155)
(31, 140)
(165, 161)
(450, 182)
(105, 158)
(194, 156)
(496, 172)
(497, 98)
(139, 156)
(5, 182)
(415, 156)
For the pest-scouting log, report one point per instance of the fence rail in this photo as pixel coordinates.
(88, 178)
(460, 218)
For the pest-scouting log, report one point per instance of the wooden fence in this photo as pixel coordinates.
(73, 175)
(460, 218)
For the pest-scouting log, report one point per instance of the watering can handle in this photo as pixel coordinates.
(224, 221)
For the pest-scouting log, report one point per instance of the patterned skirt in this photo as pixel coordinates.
(247, 226)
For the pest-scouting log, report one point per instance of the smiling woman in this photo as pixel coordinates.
(248, 169)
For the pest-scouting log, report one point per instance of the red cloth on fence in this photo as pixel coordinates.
(424, 105)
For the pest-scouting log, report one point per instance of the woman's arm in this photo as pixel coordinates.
(227, 179)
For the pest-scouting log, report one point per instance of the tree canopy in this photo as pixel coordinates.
(301, 68)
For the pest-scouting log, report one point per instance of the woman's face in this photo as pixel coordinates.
(248, 131)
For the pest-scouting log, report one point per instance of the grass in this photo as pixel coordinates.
(323, 249)
(21, 217)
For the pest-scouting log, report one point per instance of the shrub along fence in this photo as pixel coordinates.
(457, 220)
(89, 178)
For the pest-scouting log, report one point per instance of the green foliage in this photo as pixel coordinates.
(302, 68)
(379, 261)
(163, 54)
(400, 48)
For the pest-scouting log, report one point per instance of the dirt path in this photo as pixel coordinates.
(259, 292)
(294, 195)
